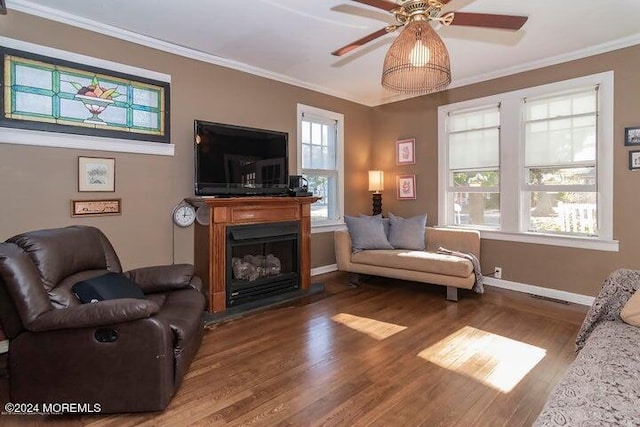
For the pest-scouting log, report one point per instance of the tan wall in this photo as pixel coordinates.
(572, 270)
(37, 184)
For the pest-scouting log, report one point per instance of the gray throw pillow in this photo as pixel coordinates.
(366, 233)
(385, 222)
(407, 233)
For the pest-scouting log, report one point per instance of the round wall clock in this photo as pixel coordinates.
(184, 215)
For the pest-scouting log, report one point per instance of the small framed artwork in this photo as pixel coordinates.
(96, 174)
(406, 152)
(96, 207)
(632, 136)
(634, 160)
(407, 187)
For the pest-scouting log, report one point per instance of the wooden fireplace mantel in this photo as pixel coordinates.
(210, 240)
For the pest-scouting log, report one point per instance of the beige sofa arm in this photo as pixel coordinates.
(454, 239)
(342, 241)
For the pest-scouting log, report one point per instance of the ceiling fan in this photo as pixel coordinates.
(407, 11)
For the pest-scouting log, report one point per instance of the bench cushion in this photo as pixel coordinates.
(427, 262)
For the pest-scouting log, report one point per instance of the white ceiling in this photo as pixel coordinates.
(291, 40)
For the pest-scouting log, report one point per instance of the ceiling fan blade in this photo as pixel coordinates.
(366, 39)
(380, 4)
(3, 7)
(505, 22)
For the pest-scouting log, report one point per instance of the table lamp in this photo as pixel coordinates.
(376, 184)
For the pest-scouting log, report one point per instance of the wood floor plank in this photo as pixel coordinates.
(385, 353)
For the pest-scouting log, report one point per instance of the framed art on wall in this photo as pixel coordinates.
(406, 187)
(634, 160)
(96, 207)
(632, 135)
(96, 174)
(406, 152)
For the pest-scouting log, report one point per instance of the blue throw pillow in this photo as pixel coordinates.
(366, 233)
(385, 222)
(407, 233)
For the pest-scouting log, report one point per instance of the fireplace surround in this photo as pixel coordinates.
(210, 242)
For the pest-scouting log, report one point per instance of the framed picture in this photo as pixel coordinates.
(96, 207)
(96, 174)
(632, 136)
(406, 187)
(634, 160)
(406, 152)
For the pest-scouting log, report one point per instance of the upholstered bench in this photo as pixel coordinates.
(427, 266)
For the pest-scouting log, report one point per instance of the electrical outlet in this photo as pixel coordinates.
(497, 272)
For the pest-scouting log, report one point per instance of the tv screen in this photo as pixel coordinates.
(234, 160)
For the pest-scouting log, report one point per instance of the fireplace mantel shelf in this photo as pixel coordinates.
(210, 240)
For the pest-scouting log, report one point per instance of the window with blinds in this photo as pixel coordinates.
(561, 141)
(533, 165)
(474, 167)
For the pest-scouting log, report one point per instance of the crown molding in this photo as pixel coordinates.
(533, 65)
(130, 36)
(554, 60)
(119, 33)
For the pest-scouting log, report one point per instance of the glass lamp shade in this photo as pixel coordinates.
(417, 61)
(376, 181)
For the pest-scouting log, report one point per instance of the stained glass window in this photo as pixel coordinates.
(54, 95)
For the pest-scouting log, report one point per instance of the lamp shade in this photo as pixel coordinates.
(376, 180)
(417, 61)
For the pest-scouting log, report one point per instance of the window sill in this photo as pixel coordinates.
(547, 239)
(327, 226)
(83, 142)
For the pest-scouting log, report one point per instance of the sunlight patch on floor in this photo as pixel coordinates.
(494, 360)
(374, 328)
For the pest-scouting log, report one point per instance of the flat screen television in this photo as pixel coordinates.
(239, 161)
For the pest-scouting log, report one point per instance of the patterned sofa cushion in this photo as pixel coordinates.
(602, 386)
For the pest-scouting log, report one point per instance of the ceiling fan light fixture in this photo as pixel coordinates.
(417, 62)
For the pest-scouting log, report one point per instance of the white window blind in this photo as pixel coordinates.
(474, 140)
(561, 130)
(474, 163)
(561, 163)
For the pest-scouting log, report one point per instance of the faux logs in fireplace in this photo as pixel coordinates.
(262, 260)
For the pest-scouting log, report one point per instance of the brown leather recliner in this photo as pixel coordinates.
(128, 355)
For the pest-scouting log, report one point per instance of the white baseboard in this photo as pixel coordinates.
(324, 269)
(4, 346)
(540, 291)
(504, 284)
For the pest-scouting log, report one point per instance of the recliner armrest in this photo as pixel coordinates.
(102, 313)
(162, 277)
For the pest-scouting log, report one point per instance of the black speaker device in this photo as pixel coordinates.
(298, 186)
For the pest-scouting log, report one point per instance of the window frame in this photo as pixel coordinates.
(512, 173)
(324, 226)
(452, 189)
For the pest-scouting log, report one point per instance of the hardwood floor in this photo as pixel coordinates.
(387, 353)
